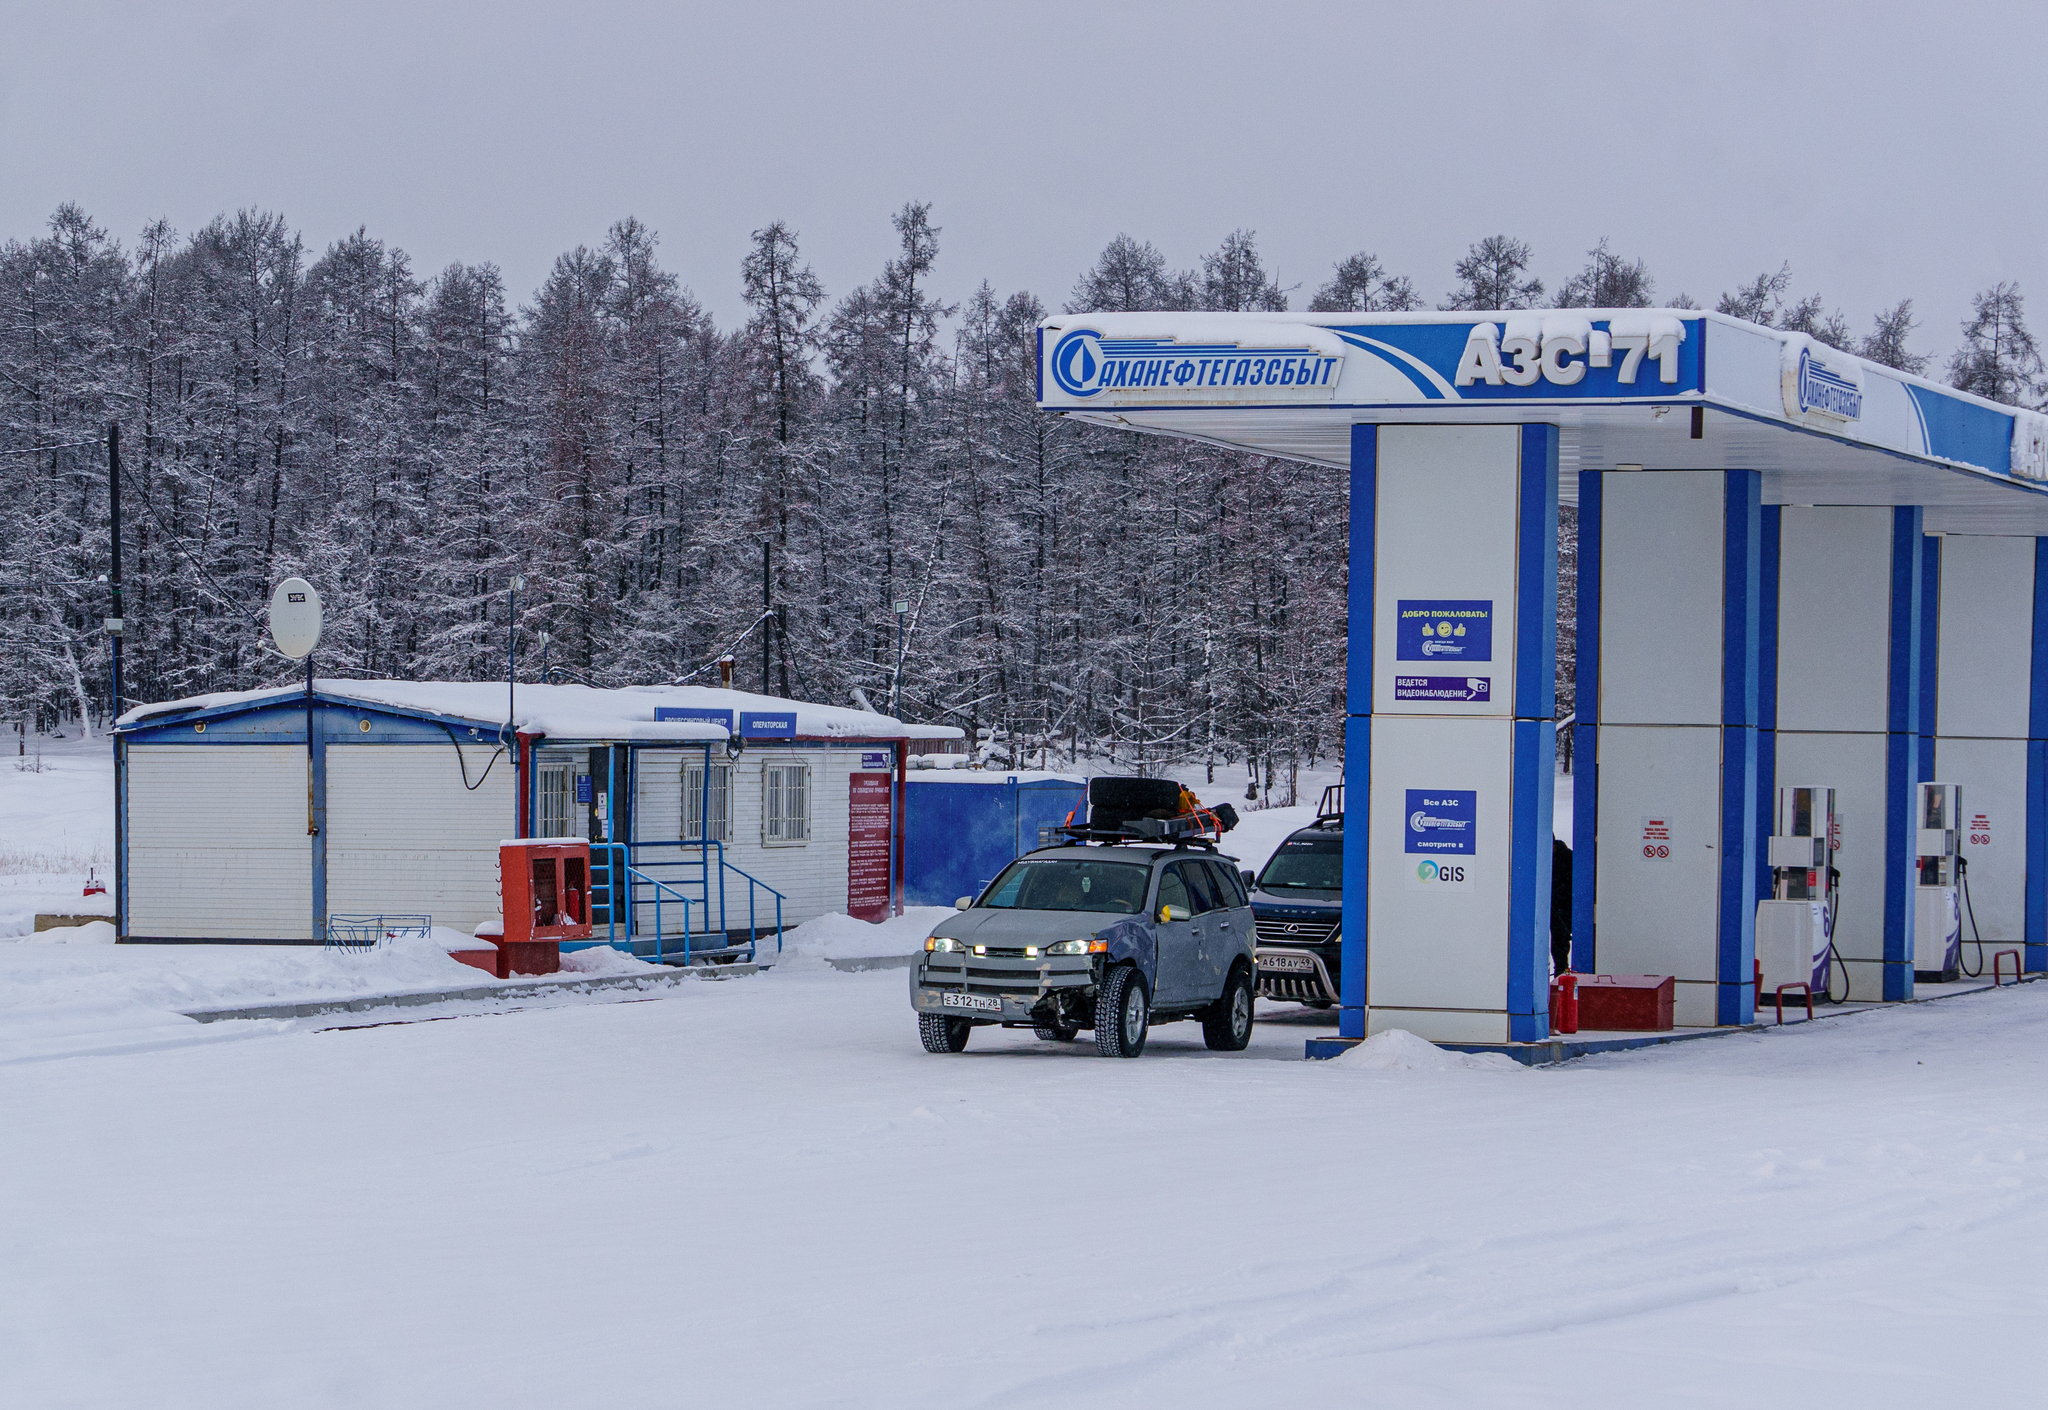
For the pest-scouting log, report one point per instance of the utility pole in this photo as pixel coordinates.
(511, 739)
(896, 676)
(115, 623)
(767, 606)
(512, 655)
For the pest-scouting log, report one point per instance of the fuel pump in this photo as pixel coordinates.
(1937, 914)
(1796, 926)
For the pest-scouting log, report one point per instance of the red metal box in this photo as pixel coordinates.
(1635, 1003)
(545, 885)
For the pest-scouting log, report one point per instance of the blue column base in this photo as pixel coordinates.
(1535, 788)
(1357, 875)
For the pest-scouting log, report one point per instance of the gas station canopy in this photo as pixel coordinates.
(1663, 388)
(1764, 528)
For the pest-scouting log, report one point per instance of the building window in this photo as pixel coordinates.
(720, 799)
(555, 814)
(786, 803)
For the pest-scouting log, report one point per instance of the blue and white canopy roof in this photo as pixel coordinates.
(1822, 426)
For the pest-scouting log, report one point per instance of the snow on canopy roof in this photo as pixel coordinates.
(574, 711)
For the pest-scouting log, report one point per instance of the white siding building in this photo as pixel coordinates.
(233, 827)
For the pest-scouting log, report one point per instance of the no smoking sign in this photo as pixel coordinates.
(1657, 838)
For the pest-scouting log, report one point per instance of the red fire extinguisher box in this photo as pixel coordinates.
(545, 886)
(1636, 1003)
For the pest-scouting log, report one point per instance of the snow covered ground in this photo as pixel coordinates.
(763, 1193)
(56, 824)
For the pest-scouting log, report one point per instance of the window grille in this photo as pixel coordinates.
(557, 800)
(786, 803)
(720, 800)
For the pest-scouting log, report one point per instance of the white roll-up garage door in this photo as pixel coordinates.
(217, 844)
(405, 835)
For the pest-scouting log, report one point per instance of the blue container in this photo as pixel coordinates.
(967, 824)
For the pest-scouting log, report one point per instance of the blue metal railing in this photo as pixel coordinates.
(619, 890)
(364, 932)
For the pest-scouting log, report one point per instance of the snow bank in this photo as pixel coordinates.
(93, 932)
(839, 936)
(1258, 835)
(1398, 1050)
(603, 959)
(42, 973)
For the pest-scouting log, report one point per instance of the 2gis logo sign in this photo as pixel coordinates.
(1440, 828)
(1442, 876)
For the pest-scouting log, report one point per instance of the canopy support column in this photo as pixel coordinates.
(1451, 732)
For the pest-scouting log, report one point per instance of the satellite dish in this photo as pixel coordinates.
(295, 618)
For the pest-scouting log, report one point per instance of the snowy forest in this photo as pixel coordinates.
(671, 490)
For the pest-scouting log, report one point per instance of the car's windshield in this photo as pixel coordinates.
(1060, 884)
(1306, 864)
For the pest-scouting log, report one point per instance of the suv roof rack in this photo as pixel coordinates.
(1331, 808)
(1130, 834)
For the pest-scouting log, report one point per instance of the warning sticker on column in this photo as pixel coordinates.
(1450, 630)
(1657, 838)
(1476, 690)
(1980, 830)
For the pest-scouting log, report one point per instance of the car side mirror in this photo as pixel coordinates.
(1251, 880)
(964, 903)
(1169, 914)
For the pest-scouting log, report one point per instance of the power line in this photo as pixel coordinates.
(62, 445)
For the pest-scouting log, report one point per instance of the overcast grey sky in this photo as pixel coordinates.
(1887, 150)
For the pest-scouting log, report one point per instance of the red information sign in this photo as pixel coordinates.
(867, 848)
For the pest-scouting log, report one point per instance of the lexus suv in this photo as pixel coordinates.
(1299, 903)
(1111, 938)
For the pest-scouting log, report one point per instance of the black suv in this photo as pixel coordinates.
(1298, 901)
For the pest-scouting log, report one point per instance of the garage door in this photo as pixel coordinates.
(217, 845)
(405, 834)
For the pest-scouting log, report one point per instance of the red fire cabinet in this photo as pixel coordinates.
(545, 885)
(1636, 1003)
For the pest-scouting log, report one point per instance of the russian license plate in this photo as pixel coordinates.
(1290, 964)
(980, 1003)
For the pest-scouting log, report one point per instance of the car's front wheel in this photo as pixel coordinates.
(943, 1034)
(1227, 1023)
(1123, 1014)
(1054, 1032)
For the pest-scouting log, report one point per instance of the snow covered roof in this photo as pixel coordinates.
(626, 713)
(1002, 776)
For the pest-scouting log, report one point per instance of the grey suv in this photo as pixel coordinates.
(1112, 938)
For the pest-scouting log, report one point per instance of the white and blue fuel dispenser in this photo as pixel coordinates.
(1795, 927)
(1937, 911)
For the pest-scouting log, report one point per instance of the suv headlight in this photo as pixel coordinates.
(1079, 947)
(940, 944)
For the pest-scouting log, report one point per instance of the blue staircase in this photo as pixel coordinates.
(679, 903)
